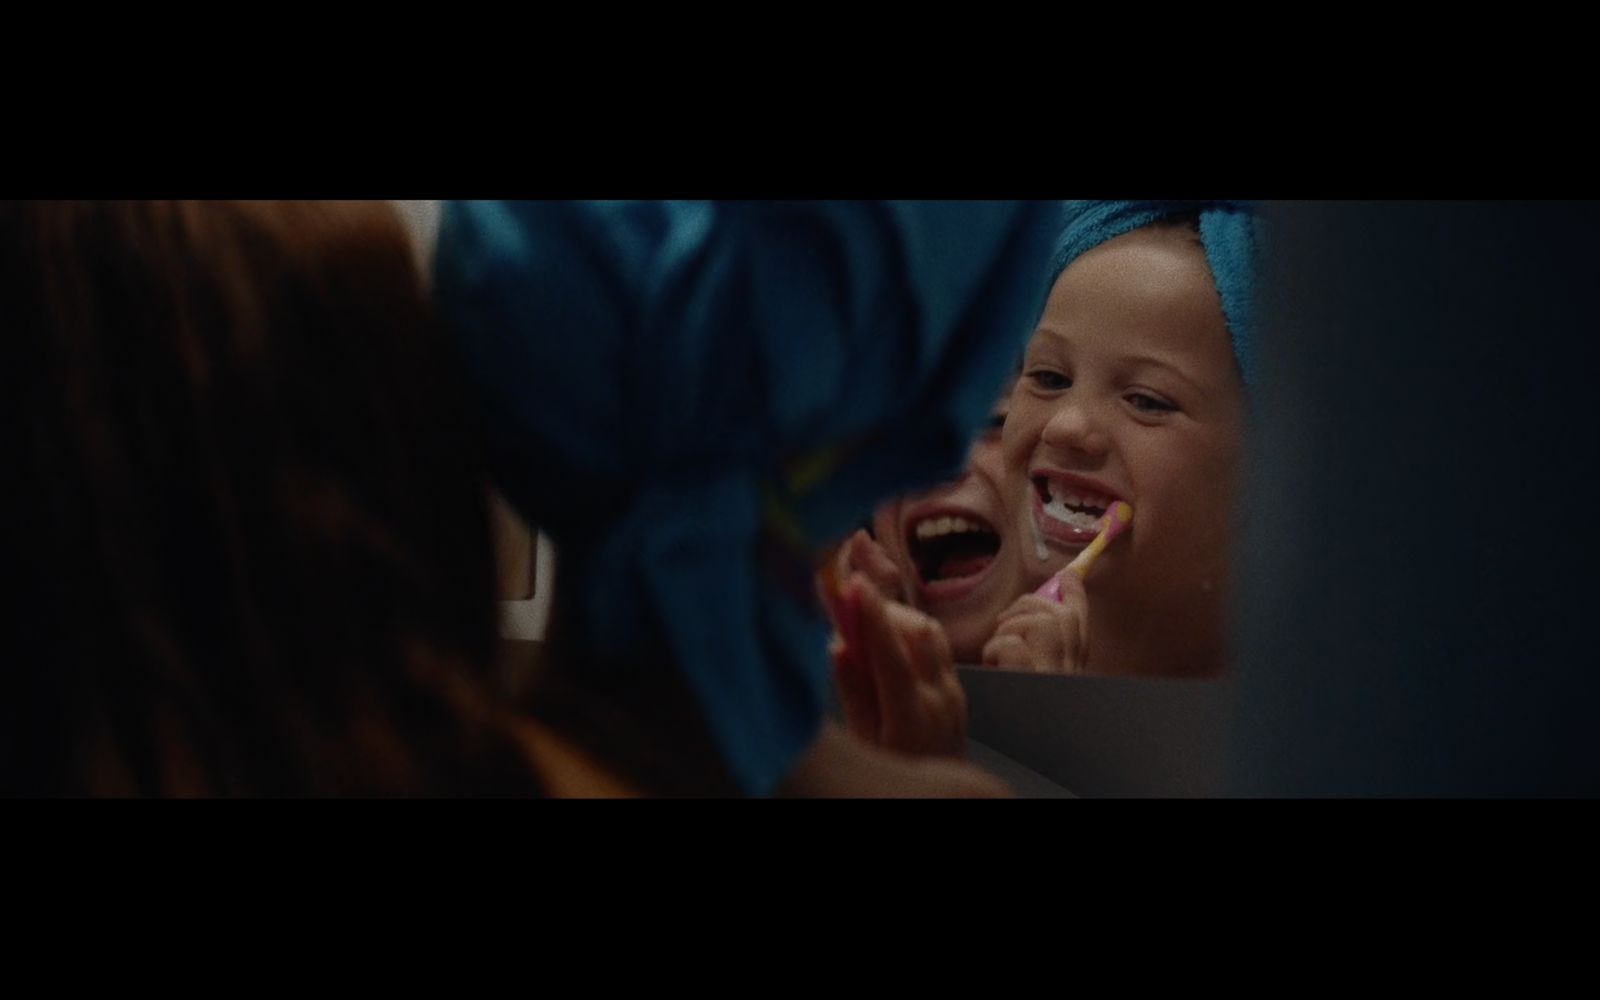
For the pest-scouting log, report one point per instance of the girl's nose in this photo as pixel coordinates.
(1072, 428)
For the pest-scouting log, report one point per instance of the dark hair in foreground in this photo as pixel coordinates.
(245, 517)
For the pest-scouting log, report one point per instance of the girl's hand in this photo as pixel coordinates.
(1042, 635)
(861, 554)
(898, 683)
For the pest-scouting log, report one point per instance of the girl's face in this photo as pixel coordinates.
(1130, 391)
(949, 547)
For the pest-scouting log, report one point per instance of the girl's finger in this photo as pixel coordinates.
(1004, 650)
(858, 695)
(925, 641)
(1032, 605)
(867, 557)
(886, 661)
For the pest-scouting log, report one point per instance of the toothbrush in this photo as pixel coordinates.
(1114, 522)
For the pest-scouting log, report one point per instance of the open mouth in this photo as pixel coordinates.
(1069, 510)
(1072, 506)
(951, 547)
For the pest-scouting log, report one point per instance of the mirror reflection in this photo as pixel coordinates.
(1130, 398)
(1089, 529)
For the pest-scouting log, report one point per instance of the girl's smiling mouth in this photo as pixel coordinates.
(952, 549)
(1067, 508)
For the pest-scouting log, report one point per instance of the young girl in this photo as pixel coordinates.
(946, 551)
(940, 567)
(1132, 389)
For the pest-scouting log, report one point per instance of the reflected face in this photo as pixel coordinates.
(951, 547)
(1130, 391)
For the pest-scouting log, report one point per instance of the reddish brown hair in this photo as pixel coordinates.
(245, 510)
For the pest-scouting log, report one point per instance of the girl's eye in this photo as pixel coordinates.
(1149, 404)
(1049, 381)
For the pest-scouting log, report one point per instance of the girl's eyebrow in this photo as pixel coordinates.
(1049, 334)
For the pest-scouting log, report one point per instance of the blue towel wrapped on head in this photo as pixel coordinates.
(1228, 231)
(692, 397)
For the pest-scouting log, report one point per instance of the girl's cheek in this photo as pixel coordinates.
(1018, 437)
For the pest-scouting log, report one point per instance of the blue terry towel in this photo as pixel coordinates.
(1228, 230)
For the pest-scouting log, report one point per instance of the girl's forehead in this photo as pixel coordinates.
(1145, 295)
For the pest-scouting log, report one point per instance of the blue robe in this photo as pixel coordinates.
(691, 397)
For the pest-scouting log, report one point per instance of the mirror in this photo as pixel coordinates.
(1130, 397)
(1126, 410)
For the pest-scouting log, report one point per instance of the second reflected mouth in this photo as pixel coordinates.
(951, 547)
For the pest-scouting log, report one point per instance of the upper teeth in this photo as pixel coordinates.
(1074, 509)
(933, 527)
(1077, 499)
